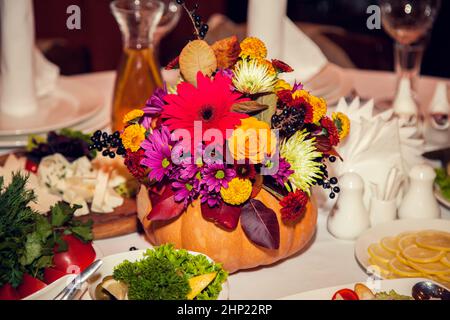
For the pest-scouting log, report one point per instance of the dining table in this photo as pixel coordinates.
(326, 261)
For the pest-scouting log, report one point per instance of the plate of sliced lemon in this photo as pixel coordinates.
(407, 249)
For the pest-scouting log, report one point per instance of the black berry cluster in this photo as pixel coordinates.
(108, 144)
(288, 120)
(329, 183)
(201, 28)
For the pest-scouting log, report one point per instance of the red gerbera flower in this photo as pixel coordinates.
(210, 102)
(294, 205)
(330, 127)
(285, 96)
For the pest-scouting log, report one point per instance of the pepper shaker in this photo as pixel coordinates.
(420, 202)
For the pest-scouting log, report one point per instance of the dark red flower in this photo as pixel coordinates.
(245, 171)
(285, 96)
(294, 205)
(330, 127)
(133, 163)
(281, 66)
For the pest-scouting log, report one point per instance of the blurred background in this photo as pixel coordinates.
(337, 26)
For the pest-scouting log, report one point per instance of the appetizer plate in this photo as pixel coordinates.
(71, 103)
(112, 261)
(401, 286)
(393, 228)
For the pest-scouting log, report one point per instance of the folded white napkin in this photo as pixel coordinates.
(267, 20)
(25, 74)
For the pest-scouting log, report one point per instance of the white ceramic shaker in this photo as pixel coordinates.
(349, 217)
(419, 202)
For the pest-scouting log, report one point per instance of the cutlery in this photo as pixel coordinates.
(71, 290)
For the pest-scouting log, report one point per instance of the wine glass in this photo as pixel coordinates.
(170, 18)
(408, 22)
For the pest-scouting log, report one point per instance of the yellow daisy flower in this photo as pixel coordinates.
(342, 123)
(319, 105)
(133, 136)
(253, 48)
(132, 115)
(238, 191)
(269, 66)
(282, 85)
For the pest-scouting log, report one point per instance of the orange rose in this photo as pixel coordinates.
(252, 140)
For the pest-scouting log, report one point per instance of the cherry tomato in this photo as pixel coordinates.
(345, 294)
(7, 292)
(31, 166)
(29, 286)
(78, 256)
(52, 274)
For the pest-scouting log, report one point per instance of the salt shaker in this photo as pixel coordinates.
(420, 202)
(349, 218)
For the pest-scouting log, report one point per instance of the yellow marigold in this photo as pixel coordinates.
(319, 105)
(342, 123)
(253, 48)
(252, 140)
(282, 85)
(238, 191)
(133, 114)
(133, 136)
(269, 66)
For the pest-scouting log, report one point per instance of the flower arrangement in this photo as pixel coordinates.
(230, 128)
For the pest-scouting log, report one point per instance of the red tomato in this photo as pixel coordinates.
(31, 166)
(52, 274)
(78, 256)
(7, 292)
(29, 286)
(345, 294)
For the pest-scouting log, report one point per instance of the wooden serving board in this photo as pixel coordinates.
(123, 220)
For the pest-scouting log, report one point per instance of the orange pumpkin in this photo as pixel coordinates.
(232, 248)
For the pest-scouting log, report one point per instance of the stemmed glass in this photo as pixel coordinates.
(170, 18)
(408, 22)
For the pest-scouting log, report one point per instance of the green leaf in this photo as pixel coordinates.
(33, 249)
(62, 213)
(83, 232)
(271, 102)
(43, 228)
(61, 245)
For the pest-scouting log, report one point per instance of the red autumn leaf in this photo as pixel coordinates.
(333, 152)
(260, 224)
(165, 207)
(223, 215)
(281, 66)
(227, 52)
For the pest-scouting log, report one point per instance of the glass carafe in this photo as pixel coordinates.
(138, 74)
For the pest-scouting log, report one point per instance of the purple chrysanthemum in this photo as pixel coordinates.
(283, 172)
(185, 191)
(155, 104)
(217, 175)
(211, 198)
(158, 154)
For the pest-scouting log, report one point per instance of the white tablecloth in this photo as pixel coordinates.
(327, 262)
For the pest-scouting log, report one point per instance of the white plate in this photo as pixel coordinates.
(374, 235)
(440, 197)
(71, 103)
(112, 261)
(401, 286)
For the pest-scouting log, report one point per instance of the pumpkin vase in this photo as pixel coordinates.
(231, 248)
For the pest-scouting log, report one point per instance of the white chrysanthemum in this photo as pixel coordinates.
(301, 153)
(252, 77)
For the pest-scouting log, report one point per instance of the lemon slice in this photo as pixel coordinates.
(432, 268)
(435, 241)
(406, 240)
(380, 269)
(444, 276)
(400, 257)
(403, 270)
(422, 255)
(446, 259)
(390, 244)
(199, 283)
(378, 253)
(118, 289)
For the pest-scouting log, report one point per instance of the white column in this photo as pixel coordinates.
(265, 21)
(18, 94)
